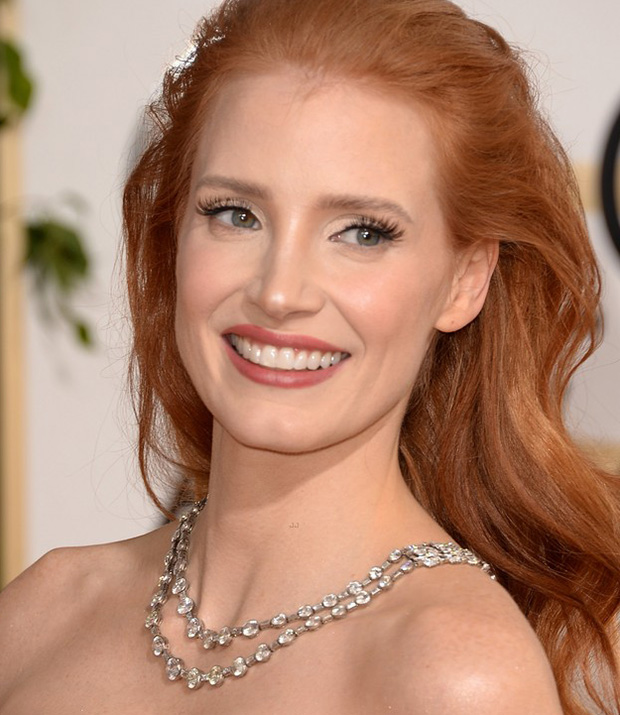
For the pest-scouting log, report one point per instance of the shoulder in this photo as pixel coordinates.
(464, 648)
(51, 600)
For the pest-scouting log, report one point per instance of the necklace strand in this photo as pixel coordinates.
(332, 607)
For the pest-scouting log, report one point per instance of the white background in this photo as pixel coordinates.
(97, 63)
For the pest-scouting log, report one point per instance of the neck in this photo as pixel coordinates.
(280, 529)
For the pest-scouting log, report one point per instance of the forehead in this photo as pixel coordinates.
(325, 133)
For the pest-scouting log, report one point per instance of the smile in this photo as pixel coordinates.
(283, 358)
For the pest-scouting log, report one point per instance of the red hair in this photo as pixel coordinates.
(483, 445)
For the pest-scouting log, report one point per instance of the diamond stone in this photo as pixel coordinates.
(339, 611)
(185, 605)
(313, 622)
(158, 599)
(152, 619)
(159, 645)
(263, 653)
(385, 582)
(179, 567)
(193, 627)
(215, 676)
(305, 612)
(330, 600)
(375, 573)
(287, 637)
(194, 679)
(362, 598)
(224, 637)
(279, 620)
(209, 639)
(354, 588)
(179, 585)
(173, 668)
(239, 667)
(250, 629)
(407, 566)
(395, 555)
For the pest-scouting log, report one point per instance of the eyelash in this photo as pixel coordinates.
(388, 230)
(211, 207)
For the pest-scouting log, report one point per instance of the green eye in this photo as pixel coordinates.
(368, 237)
(242, 218)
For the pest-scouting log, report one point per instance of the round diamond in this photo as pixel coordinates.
(385, 581)
(339, 611)
(362, 598)
(239, 667)
(263, 653)
(279, 620)
(354, 588)
(179, 585)
(224, 637)
(395, 555)
(185, 605)
(375, 573)
(313, 622)
(158, 599)
(287, 637)
(159, 645)
(407, 566)
(194, 679)
(209, 639)
(305, 612)
(330, 600)
(173, 668)
(193, 627)
(250, 629)
(215, 676)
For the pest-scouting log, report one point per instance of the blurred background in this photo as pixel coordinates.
(68, 468)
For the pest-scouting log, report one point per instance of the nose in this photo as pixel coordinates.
(286, 281)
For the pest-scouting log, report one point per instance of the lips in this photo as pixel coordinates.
(282, 360)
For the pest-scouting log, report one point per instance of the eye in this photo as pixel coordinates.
(362, 236)
(237, 216)
(368, 233)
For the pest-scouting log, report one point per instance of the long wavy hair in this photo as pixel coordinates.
(483, 445)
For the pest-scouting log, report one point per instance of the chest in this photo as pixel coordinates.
(108, 667)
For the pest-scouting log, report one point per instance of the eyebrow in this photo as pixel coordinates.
(345, 202)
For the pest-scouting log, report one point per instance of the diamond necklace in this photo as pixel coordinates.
(332, 607)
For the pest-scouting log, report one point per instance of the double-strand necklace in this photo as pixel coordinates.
(309, 617)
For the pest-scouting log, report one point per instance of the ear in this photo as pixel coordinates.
(474, 268)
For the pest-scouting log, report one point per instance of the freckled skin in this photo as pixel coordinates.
(305, 490)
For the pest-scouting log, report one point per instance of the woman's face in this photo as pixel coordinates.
(313, 244)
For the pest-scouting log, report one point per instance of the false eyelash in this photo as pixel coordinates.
(390, 230)
(210, 207)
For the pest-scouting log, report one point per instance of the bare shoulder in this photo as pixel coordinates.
(46, 606)
(465, 648)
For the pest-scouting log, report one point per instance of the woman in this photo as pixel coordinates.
(360, 281)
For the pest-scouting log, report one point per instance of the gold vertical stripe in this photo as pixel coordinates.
(11, 344)
(589, 178)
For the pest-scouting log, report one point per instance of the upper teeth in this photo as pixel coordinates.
(284, 358)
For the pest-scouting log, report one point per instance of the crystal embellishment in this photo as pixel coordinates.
(173, 668)
(239, 667)
(330, 600)
(250, 629)
(287, 637)
(263, 653)
(193, 627)
(194, 679)
(215, 676)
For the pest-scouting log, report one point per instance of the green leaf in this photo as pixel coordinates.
(83, 334)
(19, 85)
(55, 254)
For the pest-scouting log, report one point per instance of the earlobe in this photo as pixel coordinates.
(470, 286)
